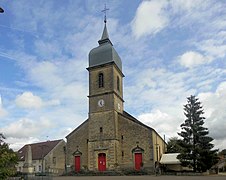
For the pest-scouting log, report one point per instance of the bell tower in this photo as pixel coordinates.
(105, 77)
(105, 102)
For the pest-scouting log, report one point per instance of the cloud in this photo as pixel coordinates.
(161, 122)
(41, 70)
(214, 107)
(213, 47)
(48, 49)
(17, 143)
(53, 60)
(24, 128)
(158, 96)
(157, 87)
(150, 18)
(28, 100)
(191, 59)
(167, 120)
(3, 112)
(186, 13)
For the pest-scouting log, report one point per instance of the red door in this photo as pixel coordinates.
(102, 162)
(138, 161)
(77, 163)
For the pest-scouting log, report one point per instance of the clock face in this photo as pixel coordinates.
(101, 103)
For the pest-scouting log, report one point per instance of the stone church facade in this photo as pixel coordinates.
(110, 138)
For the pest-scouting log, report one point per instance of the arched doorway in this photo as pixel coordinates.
(77, 163)
(102, 162)
(77, 160)
(138, 161)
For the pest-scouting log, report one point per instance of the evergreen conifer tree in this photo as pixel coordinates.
(196, 144)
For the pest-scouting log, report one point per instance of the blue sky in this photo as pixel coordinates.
(170, 49)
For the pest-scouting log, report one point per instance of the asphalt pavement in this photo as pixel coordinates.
(211, 177)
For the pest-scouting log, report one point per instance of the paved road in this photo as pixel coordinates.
(142, 178)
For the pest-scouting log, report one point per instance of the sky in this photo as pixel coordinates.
(170, 50)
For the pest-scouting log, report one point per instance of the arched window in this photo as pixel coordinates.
(101, 80)
(118, 84)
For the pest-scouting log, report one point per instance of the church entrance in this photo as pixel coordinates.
(77, 163)
(138, 161)
(102, 162)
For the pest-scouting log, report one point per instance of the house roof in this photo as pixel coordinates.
(170, 158)
(39, 150)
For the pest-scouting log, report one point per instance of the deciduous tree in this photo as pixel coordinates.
(173, 145)
(8, 159)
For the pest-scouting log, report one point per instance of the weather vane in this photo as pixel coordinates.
(105, 12)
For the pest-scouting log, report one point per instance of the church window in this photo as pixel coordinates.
(122, 153)
(118, 84)
(122, 137)
(101, 129)
(101, 80)
(39, 168)
(54, 160)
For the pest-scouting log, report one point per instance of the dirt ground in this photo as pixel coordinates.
(142, 178)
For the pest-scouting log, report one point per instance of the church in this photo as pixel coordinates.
(110, 138)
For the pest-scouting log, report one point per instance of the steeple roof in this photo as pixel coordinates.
(105, 33)
(105, 52)
(105, 36)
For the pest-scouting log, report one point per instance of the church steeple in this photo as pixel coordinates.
(105, 33)
(105, 102)
(105, 52)
(105, 36)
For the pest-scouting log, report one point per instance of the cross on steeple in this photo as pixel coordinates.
(105, 12)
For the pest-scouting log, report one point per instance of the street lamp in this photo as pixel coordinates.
(1, 10)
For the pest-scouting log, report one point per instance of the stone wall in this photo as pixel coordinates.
(104, 120)
(109, 148)
(94, 78)
(103, 128)
(55, 159)
(132, 135)
(110, 72)
(112, 96)
(78, 140)
(159, 146)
